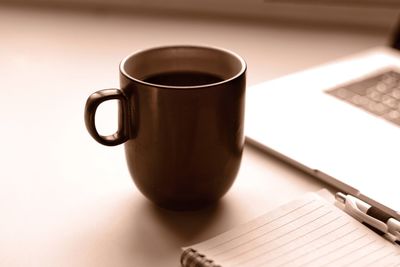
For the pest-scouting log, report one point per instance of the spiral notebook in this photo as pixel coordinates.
(309, 231)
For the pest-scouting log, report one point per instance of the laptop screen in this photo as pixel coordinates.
(396, 36)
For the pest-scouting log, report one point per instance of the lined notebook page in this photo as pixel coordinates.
(306, 232)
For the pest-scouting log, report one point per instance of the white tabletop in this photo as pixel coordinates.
(66, 200)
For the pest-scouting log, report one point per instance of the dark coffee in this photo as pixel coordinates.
(183, 78)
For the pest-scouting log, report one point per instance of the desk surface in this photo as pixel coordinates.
(65, 200)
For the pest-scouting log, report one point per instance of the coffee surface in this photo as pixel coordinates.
(183, 78)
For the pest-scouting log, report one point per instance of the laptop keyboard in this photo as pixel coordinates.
(379, 94)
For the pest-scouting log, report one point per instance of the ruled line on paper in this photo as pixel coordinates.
(397, 255)
(260, 226)
(299, 246)
(263, 253)
(391, 263)
(375, 261)
(341, 257)
(282, 235)
(247, 239)
(350, 242)
(367, 253)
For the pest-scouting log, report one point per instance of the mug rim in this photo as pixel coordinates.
(242, 70)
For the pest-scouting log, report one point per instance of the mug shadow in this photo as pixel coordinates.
(165, 232)
(135, 232)
(187, 225)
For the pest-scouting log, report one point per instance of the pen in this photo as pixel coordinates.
(379, 221)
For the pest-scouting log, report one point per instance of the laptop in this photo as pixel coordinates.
(339, 122)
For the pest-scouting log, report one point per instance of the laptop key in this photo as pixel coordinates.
(377, 108)
(379, 95)
(343, 93)
(393, 116)
(396, 93)
(383, 88)
(361, 87)
(374, 95)
(390, 101)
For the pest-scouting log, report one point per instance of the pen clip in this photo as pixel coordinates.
(352, 208)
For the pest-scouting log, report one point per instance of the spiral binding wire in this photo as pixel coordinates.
(192, 258)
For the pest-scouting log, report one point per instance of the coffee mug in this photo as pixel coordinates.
(181, 119)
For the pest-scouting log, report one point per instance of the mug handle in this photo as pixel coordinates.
(94, 100)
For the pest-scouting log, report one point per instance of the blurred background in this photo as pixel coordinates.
(276, 37)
